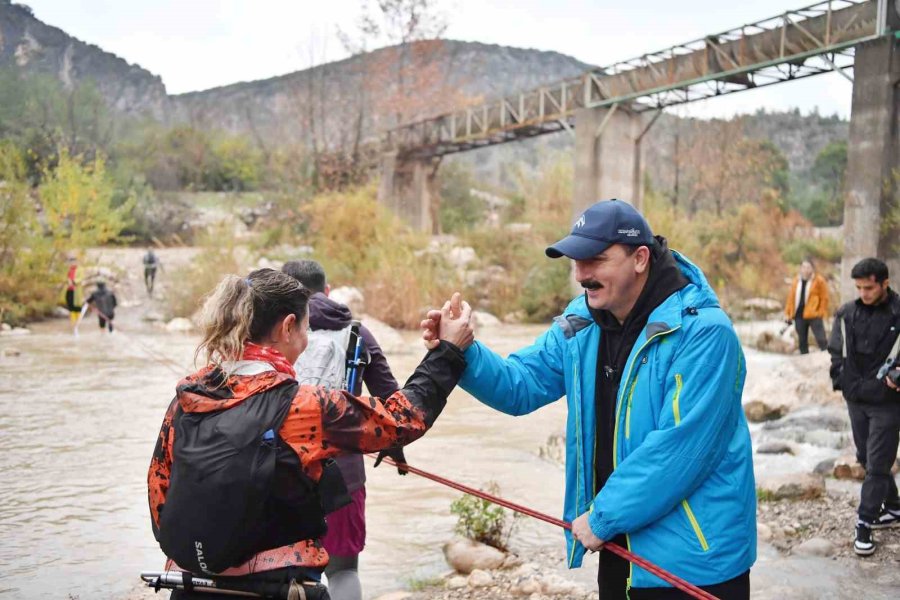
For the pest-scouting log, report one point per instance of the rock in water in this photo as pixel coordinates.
(466, 555)
(758, 411)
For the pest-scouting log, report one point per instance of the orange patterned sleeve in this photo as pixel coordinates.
(322, 423)
(161, 467)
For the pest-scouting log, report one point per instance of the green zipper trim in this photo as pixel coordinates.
(619, 403)
(577, 451)
(628, 408)
(737, 378)
(699, 532)
(675, 408)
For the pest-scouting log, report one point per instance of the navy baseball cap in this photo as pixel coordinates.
(605, 223)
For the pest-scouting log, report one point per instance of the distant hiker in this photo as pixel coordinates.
(242, 475)
(151, 263)
(658, 455)
(104, 304)
(864, 345)
(324, 363)
(71, 288)
(807, 305)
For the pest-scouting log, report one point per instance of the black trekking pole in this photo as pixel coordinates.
(179, 580)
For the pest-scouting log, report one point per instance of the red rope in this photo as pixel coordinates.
(676, 581)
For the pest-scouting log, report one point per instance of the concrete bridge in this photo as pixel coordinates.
(609, 110)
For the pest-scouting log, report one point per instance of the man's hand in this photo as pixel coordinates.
(451, 323)
(583, 533)
(889, 382)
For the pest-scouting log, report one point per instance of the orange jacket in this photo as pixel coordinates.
(816, 306)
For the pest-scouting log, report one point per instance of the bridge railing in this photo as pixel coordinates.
(753, 55)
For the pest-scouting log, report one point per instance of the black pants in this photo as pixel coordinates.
(70, 301)
(876, 432)
(803, 326)
(104, 322)
(612, 576)
(149, 277)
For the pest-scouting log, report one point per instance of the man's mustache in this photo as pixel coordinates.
(591, 284)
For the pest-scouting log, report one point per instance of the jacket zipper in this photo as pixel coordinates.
(622, 395)
(695, 524)
(616, 440)
(575, 382)
(628, 408)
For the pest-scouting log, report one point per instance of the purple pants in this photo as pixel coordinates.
(347, 527)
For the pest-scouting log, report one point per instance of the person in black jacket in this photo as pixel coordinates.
(104, 304)
(346, 534)
(865, 335)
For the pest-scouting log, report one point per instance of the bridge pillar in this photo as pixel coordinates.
(409, 188)
(872, 188)
(608, 161)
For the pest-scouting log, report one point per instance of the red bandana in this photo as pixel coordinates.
(270, 355)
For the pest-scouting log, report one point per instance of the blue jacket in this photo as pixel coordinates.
(682, 490)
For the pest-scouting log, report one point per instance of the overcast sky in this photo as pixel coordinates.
(198, 44)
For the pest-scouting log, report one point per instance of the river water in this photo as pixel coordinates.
(80, 417)
(79, 420)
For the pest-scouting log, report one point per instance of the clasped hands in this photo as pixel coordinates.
(452, 323)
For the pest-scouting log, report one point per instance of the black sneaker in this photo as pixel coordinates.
(889, 517)
(864, 545)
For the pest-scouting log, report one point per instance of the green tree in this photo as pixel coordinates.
(77, 204)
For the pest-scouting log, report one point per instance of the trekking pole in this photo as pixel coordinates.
(353, 365)
(180, 580)
(674, 580)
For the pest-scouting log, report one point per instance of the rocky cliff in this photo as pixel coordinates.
(36, 47)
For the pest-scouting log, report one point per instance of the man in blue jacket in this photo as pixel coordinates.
(658, 454)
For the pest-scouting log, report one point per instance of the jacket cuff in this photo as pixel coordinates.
(601, 528)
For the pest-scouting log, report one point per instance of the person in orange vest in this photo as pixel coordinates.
(807, 305)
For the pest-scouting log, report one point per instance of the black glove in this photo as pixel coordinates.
(395, 454)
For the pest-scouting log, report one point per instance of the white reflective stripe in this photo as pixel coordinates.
(843, 339)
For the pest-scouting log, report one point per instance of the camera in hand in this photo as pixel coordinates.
(890, 371)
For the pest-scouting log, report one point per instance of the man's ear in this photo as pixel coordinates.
(642, 260)
(327, 289)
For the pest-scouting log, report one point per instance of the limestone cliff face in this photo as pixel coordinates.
(36, 47)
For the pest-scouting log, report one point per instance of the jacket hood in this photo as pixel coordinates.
(325, 313)
(207, 390)
(696, 294)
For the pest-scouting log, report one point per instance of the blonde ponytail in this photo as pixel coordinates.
(243, 309)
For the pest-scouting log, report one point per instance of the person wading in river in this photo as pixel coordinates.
(241, 477)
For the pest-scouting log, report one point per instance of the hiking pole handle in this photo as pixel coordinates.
(353, 371)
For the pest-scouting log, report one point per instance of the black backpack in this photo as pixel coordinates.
(223, 470)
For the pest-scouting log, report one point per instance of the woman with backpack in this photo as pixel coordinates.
(242, 474)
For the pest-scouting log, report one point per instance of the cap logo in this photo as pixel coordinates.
(579, 222)
(630, 232)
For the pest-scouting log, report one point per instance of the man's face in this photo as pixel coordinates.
(806, 271)
(870, 291)
(612, 278)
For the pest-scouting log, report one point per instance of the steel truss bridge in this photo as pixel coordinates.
(796, 44)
